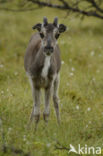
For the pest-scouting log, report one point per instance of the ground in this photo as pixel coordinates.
(81, 85)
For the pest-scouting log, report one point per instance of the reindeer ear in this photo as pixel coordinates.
(45, 21)
(55, 22)
(37, 26)
(62, 28)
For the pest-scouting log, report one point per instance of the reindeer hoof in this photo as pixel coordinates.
(37, 117)
(45, 117)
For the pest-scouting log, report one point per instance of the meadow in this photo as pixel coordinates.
(80, 91)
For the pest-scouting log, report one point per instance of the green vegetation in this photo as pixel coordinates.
(81, 86)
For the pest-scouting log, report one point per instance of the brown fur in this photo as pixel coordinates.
(34, 61)
(42, 63)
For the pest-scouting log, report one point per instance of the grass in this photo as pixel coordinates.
(81, 85)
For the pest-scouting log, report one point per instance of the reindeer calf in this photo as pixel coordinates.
(42, 64)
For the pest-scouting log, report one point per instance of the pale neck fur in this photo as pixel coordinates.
(46, 66)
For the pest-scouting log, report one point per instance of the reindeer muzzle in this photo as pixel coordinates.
(48, 50)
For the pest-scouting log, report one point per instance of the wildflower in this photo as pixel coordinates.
(93, 79)
(48, 145)
(24, 137)
(92, 53)
(88, 109)
(73, 69)
(2, 92)
(90, 122)
(98, 71)
(1, 65)
(77, 107)
(9, 129)
(16, 73)
(86, 126)
(71, 74)
(62, 62)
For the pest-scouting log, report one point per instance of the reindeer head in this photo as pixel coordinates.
(49, 33)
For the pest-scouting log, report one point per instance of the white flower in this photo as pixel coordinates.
(88, 109)
(62, 62)
(9, 129)
(2, 92)
(98, 71)
(73, 69)
(1, 65)
(71, 74)
(77, 107)
(86, 126)
(48, 145)
(16, 73)
(93, 79)
(92, 53)
(24, 137)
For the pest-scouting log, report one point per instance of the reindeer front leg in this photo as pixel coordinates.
(36, 106)
(47, 104)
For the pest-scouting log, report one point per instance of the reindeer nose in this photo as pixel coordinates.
(48, 49)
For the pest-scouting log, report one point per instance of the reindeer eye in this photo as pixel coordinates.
(57, 36)
(41, 35)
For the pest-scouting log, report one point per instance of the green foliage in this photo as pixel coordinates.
(81, 86)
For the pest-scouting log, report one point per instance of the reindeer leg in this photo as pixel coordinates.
(47, 104)
(36, 107)
(55, 98)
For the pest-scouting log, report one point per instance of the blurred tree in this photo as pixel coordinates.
(79, 7)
